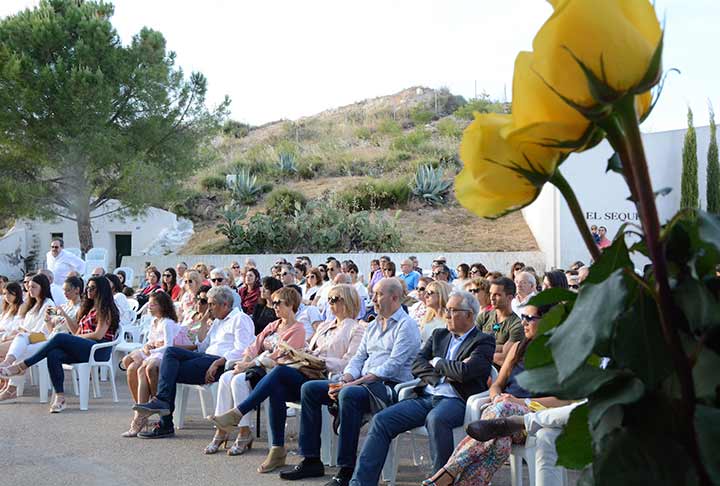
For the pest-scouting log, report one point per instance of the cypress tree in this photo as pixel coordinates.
(713, 169)
(689, 181)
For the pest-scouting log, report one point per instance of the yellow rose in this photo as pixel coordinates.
(500, 174)
(642, 104)
(539, 115)
(615, 39)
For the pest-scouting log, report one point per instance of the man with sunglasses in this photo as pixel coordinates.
(61, 262)
(409, 275)
(453, 364)
(222, 342)
(501, 321)
(219, 278)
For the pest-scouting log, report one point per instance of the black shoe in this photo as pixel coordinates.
(158, 432)
(154, 406)
(308, 468)
(338, 481)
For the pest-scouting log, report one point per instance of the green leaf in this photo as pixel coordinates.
(590, 323)
(654, 72)
(709, 228)
(553, 318)
(574, 445)
(585, 381)
(701, 308)
(706, 376)
(630, 458)
(613, 257)
(601, 92)
(552, 296)
(638, 343)
(622, 391)
(615, 164)
(610, 421)
(707, 425)
(538, 354)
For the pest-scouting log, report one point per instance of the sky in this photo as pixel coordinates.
(287, 59)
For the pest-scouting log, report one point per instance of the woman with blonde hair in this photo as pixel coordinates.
(335, 342)
(436, 297)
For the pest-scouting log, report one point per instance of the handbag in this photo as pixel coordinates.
(311, 367)
(36, 337)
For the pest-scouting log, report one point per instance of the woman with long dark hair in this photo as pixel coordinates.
(12, 300)
(32, 311)
(169, 284)
(264, 314)
(250, 291)
(97, 321)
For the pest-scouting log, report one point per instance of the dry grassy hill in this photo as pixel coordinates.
(381, 139)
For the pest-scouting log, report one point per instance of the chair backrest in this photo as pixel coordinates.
(75, 251)
(96, 257)
(129, 275)
(134, 304)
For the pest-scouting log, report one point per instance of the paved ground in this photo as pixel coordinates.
(85, 448)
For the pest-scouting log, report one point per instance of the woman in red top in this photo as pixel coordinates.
(250, 292)
(97, 321)
(169, 284)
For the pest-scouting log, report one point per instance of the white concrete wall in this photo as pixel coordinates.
(500, 261)
(542, 217)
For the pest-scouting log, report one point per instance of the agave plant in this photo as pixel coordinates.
(429, 185)
(287, 163)
(245, 188)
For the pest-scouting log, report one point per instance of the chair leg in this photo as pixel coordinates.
(94, 371)
(74, 375)
(20, 387)
(530, 460)
(390, 469)
(111, 371)
(103, 374)
(266, 410)
(327, 440)
(417, 458)
(516, 476)
(44, 381)
(181, 396)
(83, 371)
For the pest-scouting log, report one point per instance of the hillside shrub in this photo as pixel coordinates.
(483, 104)
(213, 183)
(375, 194)
(415, 141)
(388, 126)
(285, 201)
(363, 133)
(420, 115)
(319, 227)
(430, 185)
(245, 188)
(236, 129)
(447, 127)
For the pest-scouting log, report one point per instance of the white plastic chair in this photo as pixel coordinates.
(75, 251)
(133, 303)
(207, 401)
(406, 391)
(129, 275)
(96, 257)
(133, 337)
(82, 371)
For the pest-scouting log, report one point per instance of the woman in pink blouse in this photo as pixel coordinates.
(334, 341)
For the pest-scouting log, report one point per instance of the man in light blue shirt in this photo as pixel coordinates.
(410, 276)
(384, 357)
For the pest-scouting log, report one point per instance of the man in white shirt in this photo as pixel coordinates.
(229, 334)
(61, 262)
(526, 289)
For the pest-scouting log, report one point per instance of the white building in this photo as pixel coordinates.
(120, 236)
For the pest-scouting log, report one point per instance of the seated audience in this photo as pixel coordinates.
(97, 322)
(235, 385)
(436, 297)
(501, 321)
(264, 313)
(192, 287)
(194, 319)
(219, 278)
(225, 340)
(170, 285)
(480, 287)
(10, 317)
(478, 270)
(383, 359)
(441, 273)
(474, 462)
(418, 309)
(453, 364)
(142, 365)
(313, 283)
(409, 275)
(525, 285)
(250, 291)
(463, 276)
(33, 311)
(555, 279)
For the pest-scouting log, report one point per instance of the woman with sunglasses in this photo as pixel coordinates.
(335, 342)
(313, 283)
(515, 269)
(191, 284)
(233, 387)
(480, 288)
(474, 462)
(418, 309)
(478, 270)
(237, 273)
(97, 321)
(463, 276)
(436, 297)
(170, 285)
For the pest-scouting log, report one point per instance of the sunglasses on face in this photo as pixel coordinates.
(421, 289)
(55, 247)
(430, 292)
(474, 270)
(93, 289)
(334, 299)
(202, 301)
(276, 303)
(216, 280)
(474, 291)
(529, 319)
(235, 267)
(436, 274)
(284, 274)
(167, 275)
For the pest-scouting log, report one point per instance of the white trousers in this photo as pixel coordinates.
(22, 349)
(546, 426)
(232, 390)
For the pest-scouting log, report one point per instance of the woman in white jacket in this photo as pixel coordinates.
(33, 310)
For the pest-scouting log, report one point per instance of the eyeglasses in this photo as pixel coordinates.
(55, 247)
(334, 299)
(430, 292)
(474, 270)
(202, 301)
(216, 280)
(454, 311)
(167, 275)
(276, 303)
(435, 274)
(284, 274)
(421, 289)
(235, 267)
(93, 288)
(528, 319)
(474, 291)
(574, 286)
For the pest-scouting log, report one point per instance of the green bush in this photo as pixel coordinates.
(375, 194)
(319, 227)
(246, 189)
(414, 141)
(420, 115)
(483, 104)
(285, 201)
(363, 133)
(388, 126)
(287, 163)
(236, 129)
(430, 186)
(448, 127)
(213, 183)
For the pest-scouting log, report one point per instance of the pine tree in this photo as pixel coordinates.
(713, 169)
(689, 182)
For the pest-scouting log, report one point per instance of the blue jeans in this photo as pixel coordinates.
(281, 385)
(438, 414)
(353, 401)
(65, 349)
(182, 366)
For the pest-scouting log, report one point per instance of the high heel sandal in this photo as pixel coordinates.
(431, 482)
(275, 459)
(13, 370)
(227, 422)
(137, 424)
(241, 445)
(58, 405)
(217, 441)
